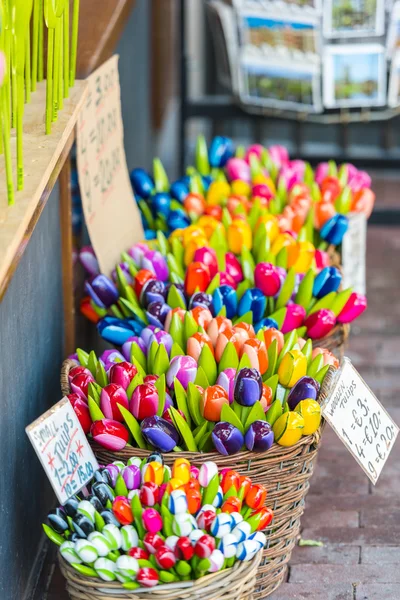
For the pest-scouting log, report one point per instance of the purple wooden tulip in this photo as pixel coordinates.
(157, 313)
(137, 252)
(110, 357)
(161, 337)
(126, 348)
(200, 299)
(320, 323)
(159, 433)
(110, 397)
(295, 315)
(259, 437)
(248, 387)
(102, 290)
(144, 401)
(113, 470)
(89, 261)
(353, 308)
(125, 269)
(153, 291)
(132, 477)
(155, 262)
(305, 388)
(184, 368)
(146, 334)
(226, 438)
(226, 379)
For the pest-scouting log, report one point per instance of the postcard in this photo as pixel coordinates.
(354, 75)
(353, 18)
(393, 37)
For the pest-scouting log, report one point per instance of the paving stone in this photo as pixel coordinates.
(379, 517)
(324, 516)
(327, 554)
(378, 591)
(334, 574)
(349, 501)
(354, 536)
(380, 554)
(312, 591)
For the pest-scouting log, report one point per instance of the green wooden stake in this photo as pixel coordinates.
(74, 43)
(56, 78)
(6, 133)
(28, 82)
(51, 22)
(40, 75)
(66, 49)
(61, 68)
(35, 44)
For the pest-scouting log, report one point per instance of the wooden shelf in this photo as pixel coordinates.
(44, 156)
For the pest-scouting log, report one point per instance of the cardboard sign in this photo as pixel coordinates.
(111, 214)
(360, 421)
(62, 448)
(354, 248)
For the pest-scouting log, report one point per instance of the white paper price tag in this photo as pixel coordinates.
(354, 249)
(63, 449)
(360, 420)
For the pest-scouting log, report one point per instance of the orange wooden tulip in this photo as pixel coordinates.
(209, 223)
(195, 203)
(257, 353)
(217, 326)
(202, 316)
(142, 277)
(231, 504)
(214, 211)
(266, 398)
(256, 496)
(197, 278)
(230, 479)
(323, 211)
(272, 334)
(228, 335)
(330, 189)
(245, 485)
(212, 401)
(195, 345)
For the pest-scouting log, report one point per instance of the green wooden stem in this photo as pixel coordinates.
(74, 43)
(28, 83)
(35, 44)
(14, 87)
(20, 123)
(49, 84)
(61, 67)
(5, 125)
(66, 50)
(56, 79)
(40, 42)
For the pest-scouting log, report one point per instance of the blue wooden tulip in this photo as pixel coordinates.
(179, 190)
(116, 331)
(226, 296)
(177, 219)
(161, 203)
(102, 290)
(328, 280)
(334, 229)
(221, 150)
(267, 323)
(149, 234)
(142, 183)
(253, 300)
(207, 181)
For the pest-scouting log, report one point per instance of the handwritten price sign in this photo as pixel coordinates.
(63, 450)
(111, 214)
(360, 421)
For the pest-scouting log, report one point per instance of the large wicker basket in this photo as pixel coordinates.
(236, 583)
(284, 471)
(335, 341)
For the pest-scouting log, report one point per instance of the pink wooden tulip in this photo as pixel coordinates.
(255, 149)
(267, 279)
(226, 379)
(233, 268)
(122, 374)
(208, 257)
(152, 520)
(295, 315)
(353, 308)
(144, 401)
(110, 434)
(110, 397)
(237, 168)
(320, 323)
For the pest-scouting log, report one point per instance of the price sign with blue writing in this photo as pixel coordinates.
(62, 448)
(111, 213)
(360, 420)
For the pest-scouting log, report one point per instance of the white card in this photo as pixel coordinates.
(63, 449)
(354, 248)
(360, 420)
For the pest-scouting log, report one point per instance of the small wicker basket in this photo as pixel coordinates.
(284, 471)
(236, 583)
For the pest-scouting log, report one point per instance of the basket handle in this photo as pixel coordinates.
(67, 365)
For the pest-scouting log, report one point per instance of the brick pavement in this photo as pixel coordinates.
(358, 524)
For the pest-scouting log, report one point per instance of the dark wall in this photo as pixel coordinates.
(31, 334)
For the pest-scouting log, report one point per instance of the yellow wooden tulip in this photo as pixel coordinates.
(283, 240)
(209, 224)
(240, 188)
(288, 428)
(310, 410)
(292, 367)
(270, 223)
(218, 192)
(191, 232)
(192, 246)
(304, 257)
(239, 236)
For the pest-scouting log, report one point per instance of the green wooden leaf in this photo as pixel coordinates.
(214, 284)
(84, 570)
(282, 259)
(120, 488)
(145, 210)
(55, 537)
(135, 311)
(307, 351)
(176, 350)
(229, 358)
(201, 432)
(193, 400)
(178, 252)
(315, 365)
(256, 414)
(94, 390)
(290, 341)
(244, 362)
(301, 331)
(133, 426)
(237, 409)
(222, 312)
(175, 298)
(137, 512)
(229, 415)
(181, 401)
(287, 289)
(161, 389)
(83, 357)
(304, 293)
(183, 429)
(242, 288)
(272, 352)
(162, 243)
(174, 266)
(325, 302)
(248, 265)
(207, 362)
(274, 412)
(190, 327)
(95, 412)
(279, 316)
(211, 490)
(151, 355)
(137, 380)
(176, 330)
(161, 361)
(340, 301)
(101, 375)
(92, 363)
(245, 318)
(320, 376)
(201, 378)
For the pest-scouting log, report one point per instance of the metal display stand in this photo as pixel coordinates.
(224, 107)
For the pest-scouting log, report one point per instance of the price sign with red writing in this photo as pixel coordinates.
(111, 213)
(63, 449)
(360, 420)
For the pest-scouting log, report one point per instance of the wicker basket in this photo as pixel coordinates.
(335, 341)
(284, 471)
(236, 583)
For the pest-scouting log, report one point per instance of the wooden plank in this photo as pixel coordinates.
(66, 254)
(100, 27)
(44, 158)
